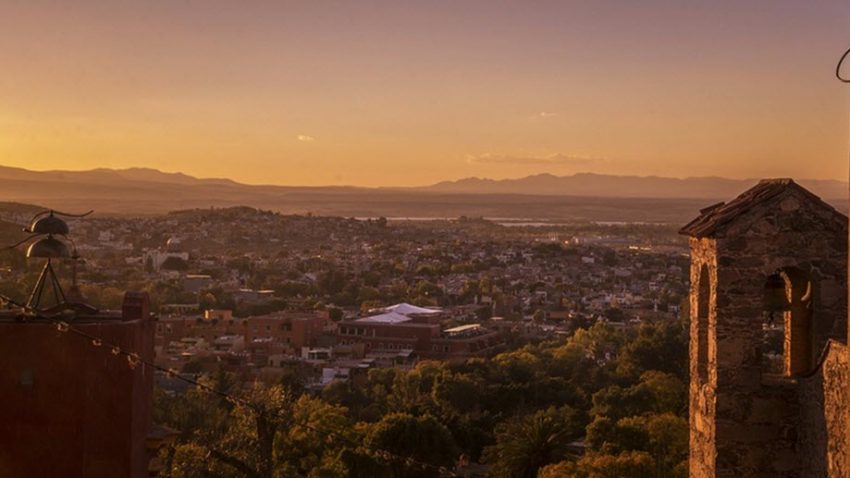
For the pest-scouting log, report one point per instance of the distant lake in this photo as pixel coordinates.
(516, 221)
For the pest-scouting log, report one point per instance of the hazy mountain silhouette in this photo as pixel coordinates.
(578, 197)
(600, 185)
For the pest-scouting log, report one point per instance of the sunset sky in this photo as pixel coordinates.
(412, 93)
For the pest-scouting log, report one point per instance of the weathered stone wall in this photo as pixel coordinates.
(756, 431)
(823, 437)
(702, 393)
(745, 422)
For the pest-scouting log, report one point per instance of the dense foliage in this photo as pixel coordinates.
(606, 402)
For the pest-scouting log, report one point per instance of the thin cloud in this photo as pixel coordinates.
(547, 114)
(305, 138)
(550, 160)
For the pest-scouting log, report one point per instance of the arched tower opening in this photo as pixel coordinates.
(703, 301)
(798, 347)
(788, 345)
(772, 347)
(774, 302)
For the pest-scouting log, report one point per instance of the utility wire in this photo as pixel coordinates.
(134, 359)
(838, 67)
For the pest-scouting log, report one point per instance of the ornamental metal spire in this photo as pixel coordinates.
(45, 230)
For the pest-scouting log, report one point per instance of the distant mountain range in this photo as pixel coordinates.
(601, 185)
(577, 197)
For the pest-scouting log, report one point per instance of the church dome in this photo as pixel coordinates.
(173, 244)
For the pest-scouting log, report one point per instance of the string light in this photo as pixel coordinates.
(134, 359)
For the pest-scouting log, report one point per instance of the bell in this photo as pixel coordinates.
(48, 248)
(49, 225)
(775, 295)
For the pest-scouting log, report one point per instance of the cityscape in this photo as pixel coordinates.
(350, 313)
(287, 239)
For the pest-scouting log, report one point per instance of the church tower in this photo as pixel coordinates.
(767, 302)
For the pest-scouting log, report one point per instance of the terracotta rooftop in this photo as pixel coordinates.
(717, 217)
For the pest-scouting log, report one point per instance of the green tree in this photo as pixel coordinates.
(331, 282)
(336, 314)
(661, 346)
(657, 392)
(239, 440)
(248, 446)
(668, 443)
(421, 438)
(527, 444)
(313, 444)
(633, 464)
(663, 437)
(456, 394)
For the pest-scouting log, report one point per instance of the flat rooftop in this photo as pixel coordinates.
(462, 328)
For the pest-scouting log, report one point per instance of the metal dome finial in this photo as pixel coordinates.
(45, 226)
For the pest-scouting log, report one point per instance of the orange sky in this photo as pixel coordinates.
(411, 93)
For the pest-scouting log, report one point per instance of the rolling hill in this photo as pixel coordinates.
(583, 197)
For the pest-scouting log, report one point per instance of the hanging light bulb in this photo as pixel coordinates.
(133, 360)
(96, 342)
(116, 350)
(62, 326)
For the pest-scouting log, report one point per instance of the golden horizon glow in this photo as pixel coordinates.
(391, 94)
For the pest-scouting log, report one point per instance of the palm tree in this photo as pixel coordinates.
(526, 444)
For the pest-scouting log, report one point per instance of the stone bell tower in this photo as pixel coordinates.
(768, 297)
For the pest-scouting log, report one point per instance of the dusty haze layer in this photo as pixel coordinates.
(580, 197)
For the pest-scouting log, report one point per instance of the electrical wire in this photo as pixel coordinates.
(838, 67)
(60, 213)
(134, 359)
(15, 246)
